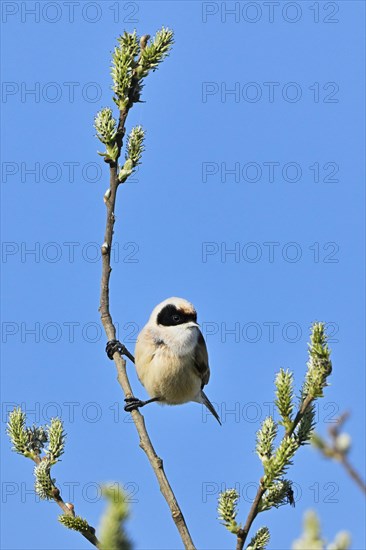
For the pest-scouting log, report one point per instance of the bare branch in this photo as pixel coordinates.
(110, 330)
(145, 442)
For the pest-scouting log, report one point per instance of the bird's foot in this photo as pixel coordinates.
(113, 346)
(133, 403)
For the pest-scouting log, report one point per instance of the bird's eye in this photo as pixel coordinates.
(176, 318)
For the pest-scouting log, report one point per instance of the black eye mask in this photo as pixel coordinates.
(170, 316)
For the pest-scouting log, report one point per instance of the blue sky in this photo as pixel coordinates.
(249, 203)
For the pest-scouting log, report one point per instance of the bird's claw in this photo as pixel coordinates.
(113, 346)
(133, 403)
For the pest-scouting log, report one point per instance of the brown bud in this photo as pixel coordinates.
(107, 194)
(71, 507)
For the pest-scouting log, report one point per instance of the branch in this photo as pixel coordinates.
(68, 510)
(319, 367)
(110, 330)
(253, 512)
(243, 533)
(30, 442)
(338, 449)
(352, 472)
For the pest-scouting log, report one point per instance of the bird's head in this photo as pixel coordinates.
(174, 311)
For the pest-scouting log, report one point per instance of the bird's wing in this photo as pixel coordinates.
(201, 360)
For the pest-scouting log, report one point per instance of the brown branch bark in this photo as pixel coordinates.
(253, 512)
(138, 419)
(243, 533)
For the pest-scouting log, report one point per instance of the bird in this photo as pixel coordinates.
(171, 357)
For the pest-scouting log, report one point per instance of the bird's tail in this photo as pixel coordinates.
(209, 405)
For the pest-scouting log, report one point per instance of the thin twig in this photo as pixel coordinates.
(243, 533)
(341, 456)
(69, 511)
(352, 472)
(253, 512)
(333, 451)
(110, 330)
(300, 413)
